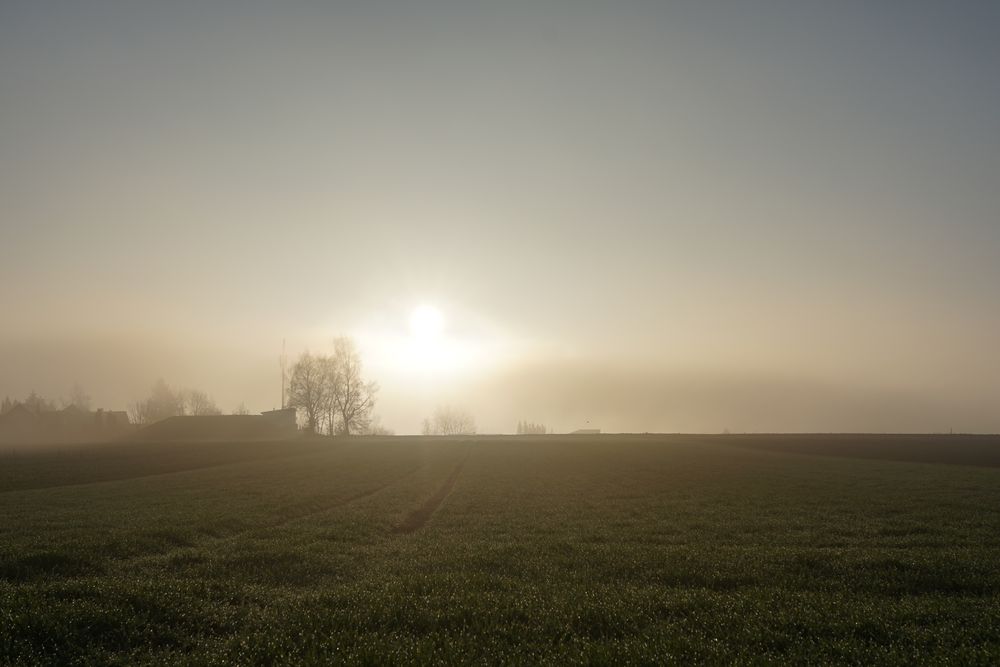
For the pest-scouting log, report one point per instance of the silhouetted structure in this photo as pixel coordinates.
(284, 419)
(271, 425)
(531, 428)
(21, 424)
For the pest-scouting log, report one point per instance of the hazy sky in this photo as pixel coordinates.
(773, 215)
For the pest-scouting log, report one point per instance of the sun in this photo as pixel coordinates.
(426, 323)
(425, 344)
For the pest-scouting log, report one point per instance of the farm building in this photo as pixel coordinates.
(270, 425)
(71, 424)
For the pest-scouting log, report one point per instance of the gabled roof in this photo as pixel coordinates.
(20, 411)
(215, 428)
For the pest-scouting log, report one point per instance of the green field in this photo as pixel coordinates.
(586, 549)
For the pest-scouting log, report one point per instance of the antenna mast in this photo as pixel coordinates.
(283, 360)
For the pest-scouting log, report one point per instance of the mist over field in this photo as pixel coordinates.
(533, 332)
(660, 218)
(617, 395)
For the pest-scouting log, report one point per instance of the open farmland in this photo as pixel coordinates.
(501, 549)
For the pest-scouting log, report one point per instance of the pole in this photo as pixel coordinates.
(283, 362)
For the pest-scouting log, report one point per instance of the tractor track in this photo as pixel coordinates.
(212, 540)
(420, 516)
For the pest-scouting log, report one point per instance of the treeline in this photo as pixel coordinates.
(38, 403)
(447, 420)
(327, 391)
(530, 428)
(164, 401)
(330, 394)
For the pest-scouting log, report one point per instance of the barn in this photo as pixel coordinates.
(270, 425)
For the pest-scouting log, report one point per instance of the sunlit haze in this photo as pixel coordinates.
(676, 217)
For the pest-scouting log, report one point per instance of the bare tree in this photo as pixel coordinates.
(329, 391)
(308, 389)
(37, 403)
(199, 403)
(332, 379)
(450, 421)
(354, 398)
(33, 401)
(79, 398)
(163, 402)
(137, 413)
(375, 427)
(241, 409)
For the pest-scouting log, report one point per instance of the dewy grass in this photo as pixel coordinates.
(626, 549)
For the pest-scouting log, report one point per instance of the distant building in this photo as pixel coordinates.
(18, 423)
(270, 425)
(285, 419)
(111, 418)
(586, 431)
(21, 424)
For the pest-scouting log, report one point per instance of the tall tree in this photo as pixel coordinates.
(37, 403)
(163, 402)
(79, 398)
(308, 389)
(354, 398)
(331, 407)
(197, 402)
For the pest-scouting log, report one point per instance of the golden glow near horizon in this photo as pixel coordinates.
(648, 216)
(426, 323)
(427, 348)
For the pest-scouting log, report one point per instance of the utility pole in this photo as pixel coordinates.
(283, 360)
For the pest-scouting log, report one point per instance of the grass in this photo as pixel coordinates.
(637, 549)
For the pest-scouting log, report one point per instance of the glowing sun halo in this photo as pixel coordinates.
(430, 348)
(426, 323)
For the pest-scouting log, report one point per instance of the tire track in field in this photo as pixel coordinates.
(164, 470)
(210, 540)
(340, 503)
(420, 516)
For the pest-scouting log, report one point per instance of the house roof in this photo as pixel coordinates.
(20, 412)
(214, 428)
